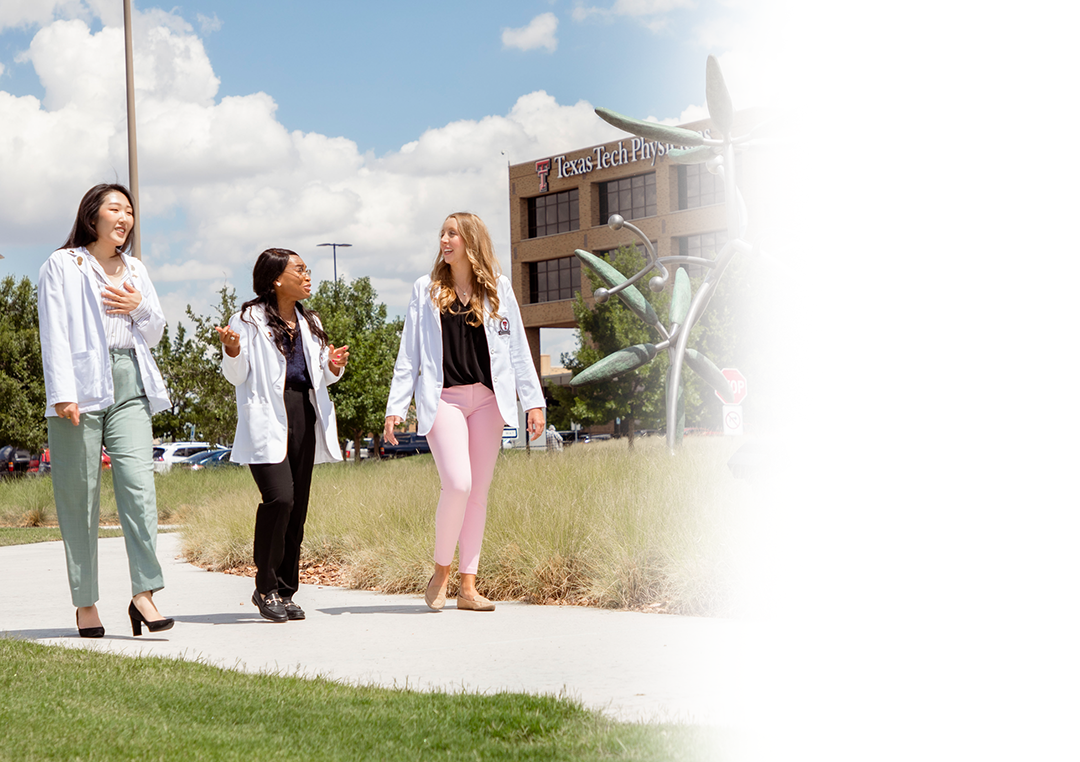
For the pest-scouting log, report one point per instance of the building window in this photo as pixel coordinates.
(554, 213)
(699, 187)
(632, 197)
(705, 245)
(554, 279)
(606, 253)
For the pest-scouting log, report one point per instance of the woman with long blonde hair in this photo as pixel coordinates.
(465, 357)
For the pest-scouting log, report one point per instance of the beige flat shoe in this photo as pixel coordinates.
(437, 601)
(479, 603)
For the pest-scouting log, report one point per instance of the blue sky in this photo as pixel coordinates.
(288, 124)
(380, 74)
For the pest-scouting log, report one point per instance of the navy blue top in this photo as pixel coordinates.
(464, 351)
(296, 372)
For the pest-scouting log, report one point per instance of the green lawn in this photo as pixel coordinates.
(69, 704)
(26, 535)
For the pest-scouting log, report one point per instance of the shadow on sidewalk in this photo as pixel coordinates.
(422, 609)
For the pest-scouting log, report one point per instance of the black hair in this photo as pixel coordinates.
(83, 231)
(268, 268)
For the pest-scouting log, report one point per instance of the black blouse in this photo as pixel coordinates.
(296, 372)
(465, 351)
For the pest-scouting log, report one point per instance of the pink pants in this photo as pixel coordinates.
(465, 441)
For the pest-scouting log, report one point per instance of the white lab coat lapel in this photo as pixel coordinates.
(312, 351)
(81, 259)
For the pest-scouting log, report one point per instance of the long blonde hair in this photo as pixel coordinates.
(485, 270)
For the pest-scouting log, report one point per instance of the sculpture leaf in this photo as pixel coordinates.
(675, 135)
(630, 296)
(615, 364)
(721, 111)
(680, 297)
(709, 373)
(692, 155)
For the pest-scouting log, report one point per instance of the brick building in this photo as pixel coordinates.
(562, 203)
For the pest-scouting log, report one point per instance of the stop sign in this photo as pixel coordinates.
(738, 385)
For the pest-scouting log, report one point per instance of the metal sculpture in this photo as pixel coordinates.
(718, 155)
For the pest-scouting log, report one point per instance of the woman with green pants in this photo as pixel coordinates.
(98, 315)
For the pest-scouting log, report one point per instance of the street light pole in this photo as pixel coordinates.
(335, 245)
(133, 162)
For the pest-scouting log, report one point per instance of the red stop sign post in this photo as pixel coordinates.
(733, 422)
(737, 381)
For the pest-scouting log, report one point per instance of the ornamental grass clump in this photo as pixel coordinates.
(594, 525)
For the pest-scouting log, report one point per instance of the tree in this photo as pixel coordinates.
(22, 381)
(351, 316)
(191, 365)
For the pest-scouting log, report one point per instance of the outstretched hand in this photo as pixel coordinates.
(230, 339)
(339, 358)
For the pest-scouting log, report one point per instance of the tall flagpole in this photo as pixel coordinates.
(133, 161)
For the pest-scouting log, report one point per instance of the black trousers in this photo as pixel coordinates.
(285, 487)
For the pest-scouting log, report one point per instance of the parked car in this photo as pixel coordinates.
(193, 462)
(168, 453)
(14, 461)
(408, 444)
(367, 444)
(694, 431)
(595, 438)
(581, 437)
(208, 459)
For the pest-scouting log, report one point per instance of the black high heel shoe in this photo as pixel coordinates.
(138, 620)
(88, 632)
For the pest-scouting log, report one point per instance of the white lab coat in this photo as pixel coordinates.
(74, 349)
(419, 367)
(262, 427)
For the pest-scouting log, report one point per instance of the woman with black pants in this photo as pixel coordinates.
(279, 358)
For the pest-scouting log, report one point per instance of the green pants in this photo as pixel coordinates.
(124, 429)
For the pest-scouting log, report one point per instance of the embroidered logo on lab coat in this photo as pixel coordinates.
(504, 327)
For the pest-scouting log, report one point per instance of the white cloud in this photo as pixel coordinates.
(221, 178)
(208, 24)
(540, 33)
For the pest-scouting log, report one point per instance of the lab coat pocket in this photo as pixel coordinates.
(88, 372)
(261, 420)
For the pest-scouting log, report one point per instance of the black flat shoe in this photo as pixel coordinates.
(138, 620)
(89, 632)
(293, 610)
(270, 607)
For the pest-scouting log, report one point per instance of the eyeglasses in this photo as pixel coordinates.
(302, 272)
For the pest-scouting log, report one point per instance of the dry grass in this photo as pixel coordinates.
(28, 501)
(596, 525)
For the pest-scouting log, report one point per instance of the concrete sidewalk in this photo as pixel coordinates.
(631, 666)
